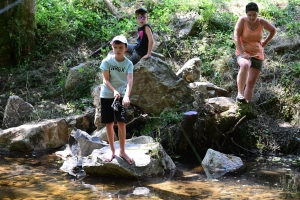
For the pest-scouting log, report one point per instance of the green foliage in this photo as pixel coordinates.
(284, 16)
(166, 12)
(246, 110)
(149, 128)
(206, 10)
(153, 126)
(87, 80)
(296, 98)
(289, 98)
(157, 128)
(19, 35)
(170, 117)
(64, 23)
(213, 35)
(222, 21)
(296, 69)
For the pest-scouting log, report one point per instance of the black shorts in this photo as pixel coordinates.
(257, 64)
(108, 114)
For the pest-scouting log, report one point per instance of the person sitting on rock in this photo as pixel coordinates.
(145, 40)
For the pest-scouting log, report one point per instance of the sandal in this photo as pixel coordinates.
(240, 98)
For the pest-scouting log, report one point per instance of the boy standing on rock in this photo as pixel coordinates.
(115, 92)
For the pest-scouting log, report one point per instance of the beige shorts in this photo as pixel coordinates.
(255, 63)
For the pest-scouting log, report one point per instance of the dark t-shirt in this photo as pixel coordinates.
(142, 42)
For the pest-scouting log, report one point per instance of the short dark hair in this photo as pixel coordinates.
(251, 7)
(119, 42)
(141, 11)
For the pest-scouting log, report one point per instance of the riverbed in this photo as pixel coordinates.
(39, 177)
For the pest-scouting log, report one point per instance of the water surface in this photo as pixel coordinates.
(39, 177)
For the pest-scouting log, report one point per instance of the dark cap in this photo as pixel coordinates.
(251, 7)
(141, 11)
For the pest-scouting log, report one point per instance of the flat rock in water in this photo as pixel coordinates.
(149, 156)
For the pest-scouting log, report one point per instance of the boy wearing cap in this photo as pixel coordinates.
(117, 73)
(145, 39)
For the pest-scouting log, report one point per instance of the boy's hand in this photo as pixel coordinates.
(116, 94)
(146, 56)
(126, 101)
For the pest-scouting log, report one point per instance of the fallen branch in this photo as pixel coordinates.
(233, 129)
(243, 147)
(236, 125)
(141, 116)
(144, 116)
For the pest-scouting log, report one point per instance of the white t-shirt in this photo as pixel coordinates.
(117, 75)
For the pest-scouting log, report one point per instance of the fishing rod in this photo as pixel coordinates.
(10, 6)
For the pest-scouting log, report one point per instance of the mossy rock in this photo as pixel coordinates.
(20, 145)
(246, 109)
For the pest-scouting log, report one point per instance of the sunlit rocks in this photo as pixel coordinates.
(216, 164)
(17, 112)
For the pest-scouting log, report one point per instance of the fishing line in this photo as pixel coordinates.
(10, 6)
(243, 147)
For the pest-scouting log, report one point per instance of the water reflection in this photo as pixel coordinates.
(39, 176)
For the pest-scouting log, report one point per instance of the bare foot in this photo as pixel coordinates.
(127, 158)
(109, 159)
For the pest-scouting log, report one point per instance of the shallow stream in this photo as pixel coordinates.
(39, 177)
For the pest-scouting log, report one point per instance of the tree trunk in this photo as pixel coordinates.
(17, 22)
(111, 8)
(185, 131)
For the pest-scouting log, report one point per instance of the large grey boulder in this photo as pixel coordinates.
(102, 135)
(186, 24)
(84, 143)
(43, 135)
(17, 112)
(150, 159)
(82, 121)
(75, 76)
(97, 104)
(221, 103)
(191, 70)
(210, 124)
(39, 136)
(156, 87)
(208, 89)
(223, 116)
(216, 164)
(78, 75)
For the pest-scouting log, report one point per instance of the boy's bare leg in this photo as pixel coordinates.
(110, 136)
(122, 137)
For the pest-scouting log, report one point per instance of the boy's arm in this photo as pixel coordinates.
(126, 100)
(150, 43)
(108, 84)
